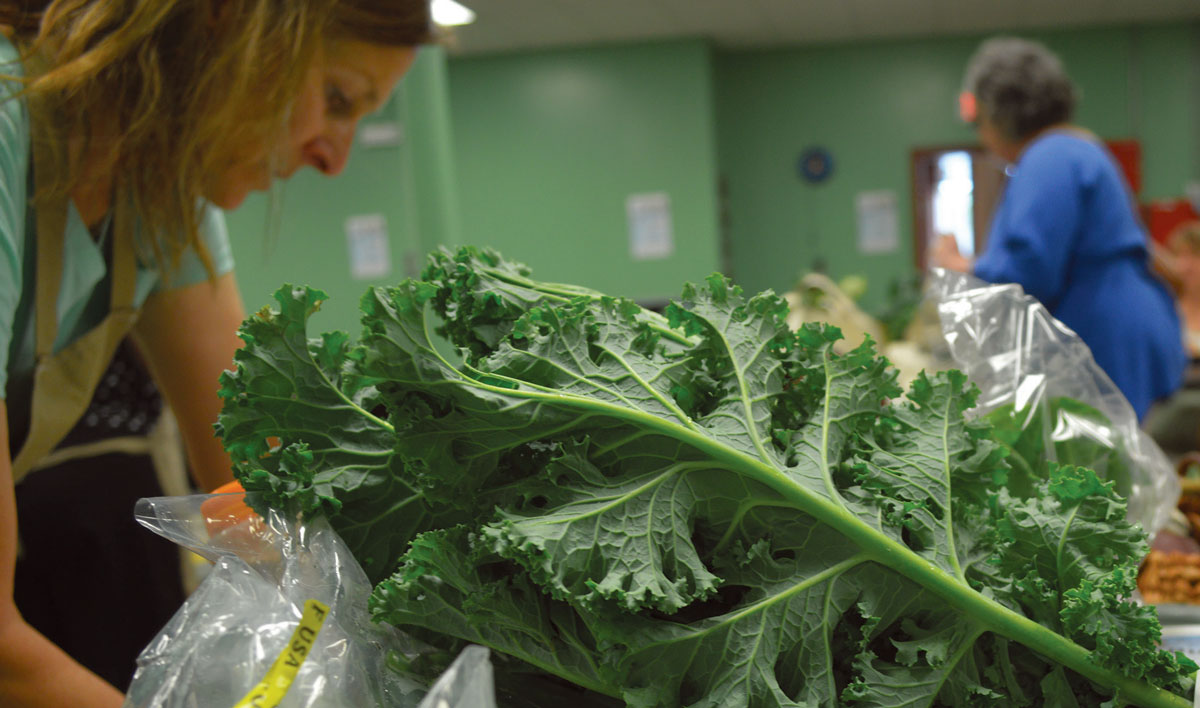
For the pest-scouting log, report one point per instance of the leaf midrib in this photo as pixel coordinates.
(886, 551)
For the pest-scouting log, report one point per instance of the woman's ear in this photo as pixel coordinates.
(968, 109)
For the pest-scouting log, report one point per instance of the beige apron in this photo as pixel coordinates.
(64, 382)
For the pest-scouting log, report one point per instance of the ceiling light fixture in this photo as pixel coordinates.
(449, 13)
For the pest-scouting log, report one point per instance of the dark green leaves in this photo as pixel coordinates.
(302, 433)
(701, 509)
(595, 538)
(1071, 558)
(1063, 431)
(453, 586)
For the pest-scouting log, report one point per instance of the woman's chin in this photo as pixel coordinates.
(228, 198)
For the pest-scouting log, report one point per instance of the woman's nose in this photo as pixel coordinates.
(329, 152)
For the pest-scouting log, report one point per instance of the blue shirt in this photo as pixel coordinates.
(1066, 231)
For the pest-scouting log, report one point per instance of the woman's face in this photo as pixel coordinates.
(349, 80)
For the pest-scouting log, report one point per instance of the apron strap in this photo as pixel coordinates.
(124, 259)
(64, 381)
(51, 243)
(51, 235)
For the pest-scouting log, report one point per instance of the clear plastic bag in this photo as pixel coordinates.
(467, 683)
(242, 629)
(1046, 395)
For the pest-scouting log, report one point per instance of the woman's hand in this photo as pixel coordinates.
(945, 254)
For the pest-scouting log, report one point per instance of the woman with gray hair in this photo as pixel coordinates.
(1066, 229)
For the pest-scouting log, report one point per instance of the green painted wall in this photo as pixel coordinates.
(411, 184)
(550, 144)
(430, 171)
(535, 153)
(1167, 116)
(870, 104)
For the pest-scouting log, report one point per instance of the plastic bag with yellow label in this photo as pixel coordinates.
(280, 619)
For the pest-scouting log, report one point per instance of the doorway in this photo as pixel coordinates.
(955, 191)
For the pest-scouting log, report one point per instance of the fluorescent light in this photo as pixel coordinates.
(449, 13)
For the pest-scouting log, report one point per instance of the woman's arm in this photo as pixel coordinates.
(33, 672)
(188, 337)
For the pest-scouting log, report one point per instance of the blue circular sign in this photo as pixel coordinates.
(815, 164)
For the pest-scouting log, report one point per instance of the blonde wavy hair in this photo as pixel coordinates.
(164, 94)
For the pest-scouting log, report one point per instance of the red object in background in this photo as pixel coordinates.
(1163, 215)
(1160, 216)
(1129, 156)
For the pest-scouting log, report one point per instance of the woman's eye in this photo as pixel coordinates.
(336, 102)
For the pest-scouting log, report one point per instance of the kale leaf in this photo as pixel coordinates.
(702, 508)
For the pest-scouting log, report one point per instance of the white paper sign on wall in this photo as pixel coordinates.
(367, 241)
(878, 225)
(650, 231)
(381, 134)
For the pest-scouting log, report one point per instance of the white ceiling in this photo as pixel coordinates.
(507, 25)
